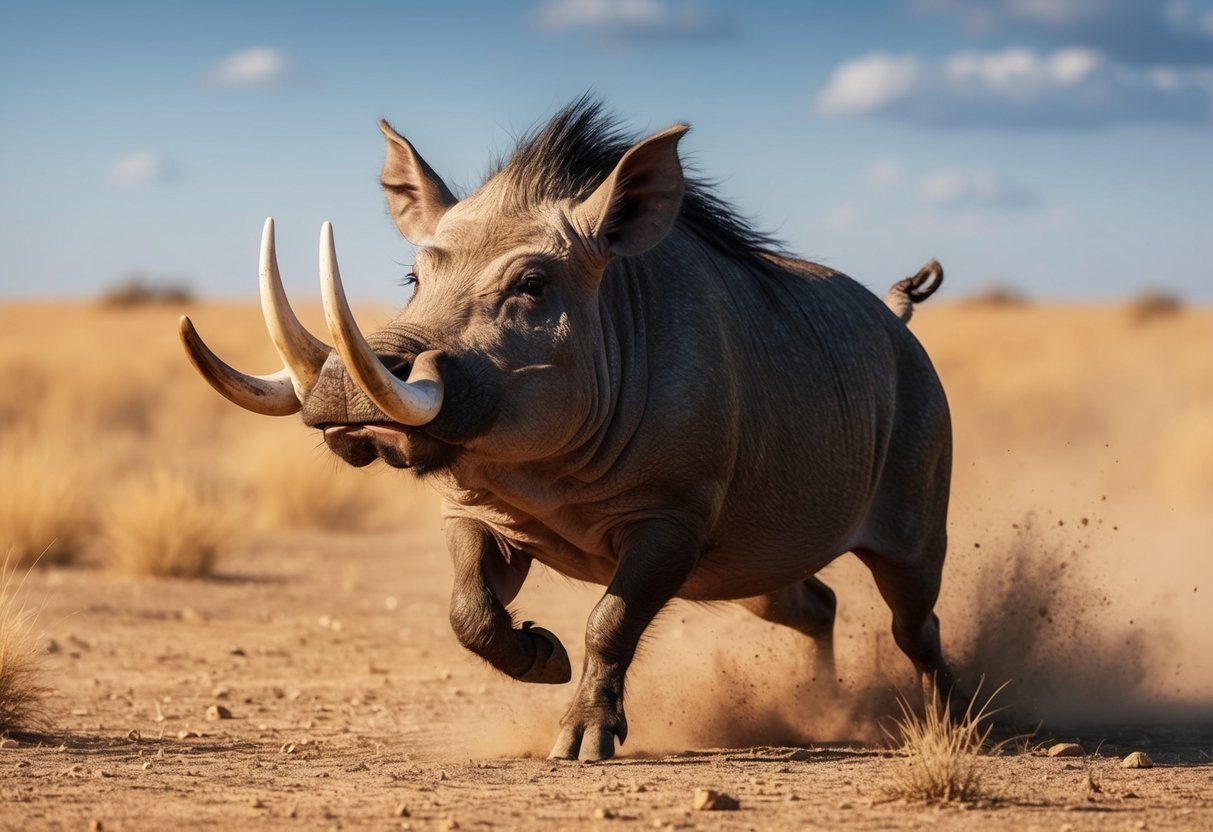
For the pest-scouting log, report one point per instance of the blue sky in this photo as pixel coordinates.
(1064, 147)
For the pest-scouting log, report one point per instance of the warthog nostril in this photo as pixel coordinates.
(351, 444)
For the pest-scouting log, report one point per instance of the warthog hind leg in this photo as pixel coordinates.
(807, 607)
(479, 617)
(655, 561)
(911, 589)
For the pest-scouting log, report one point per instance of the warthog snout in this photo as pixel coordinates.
(360, 445)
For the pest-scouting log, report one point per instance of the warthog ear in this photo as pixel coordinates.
(638, 203)
(416, 196)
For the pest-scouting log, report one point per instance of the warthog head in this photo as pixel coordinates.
(501, 351)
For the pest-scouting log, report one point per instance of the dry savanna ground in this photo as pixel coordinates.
(1080, 569)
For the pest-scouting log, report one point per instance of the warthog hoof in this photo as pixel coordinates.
(551, 665)
(591, 744)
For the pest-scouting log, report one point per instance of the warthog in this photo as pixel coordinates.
(602, 368)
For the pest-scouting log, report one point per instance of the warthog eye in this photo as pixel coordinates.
(532, 285)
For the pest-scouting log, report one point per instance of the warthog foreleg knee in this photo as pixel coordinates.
(655, 561)
(479, 617)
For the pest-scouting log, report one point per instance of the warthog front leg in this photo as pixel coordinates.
(655, 560)
(487, 578)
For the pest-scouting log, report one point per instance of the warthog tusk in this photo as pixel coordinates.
(413, 402)
(272, 395)
(302, 353)
(280, 393)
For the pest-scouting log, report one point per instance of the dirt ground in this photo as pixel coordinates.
(350, 699)
(1081, 555)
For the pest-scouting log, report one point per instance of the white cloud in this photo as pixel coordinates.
(634, 18)
(142, 168)
(259, 67)
(958, 188)
(868, 84)
(1013, 88)
(1145, 32)
(884, 174)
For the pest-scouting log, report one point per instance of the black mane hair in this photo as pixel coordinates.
(578, 148)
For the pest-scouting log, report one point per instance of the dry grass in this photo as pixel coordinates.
(21, 689)
(45, 511)
(943, 761)
(297, 485)
(167, 523)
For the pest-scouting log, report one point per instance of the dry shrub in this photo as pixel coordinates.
(942, 754)
(1153, 304)
(21, 690)
(998, 296)
(297, 486)
(45, 513)
(139, 291)
(166, 523)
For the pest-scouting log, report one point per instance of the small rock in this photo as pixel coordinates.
(1138, 759)
(147, 766)
(256, 803)
(603, 813)
(448, 824)
(710, 800)
(95, 825)
(402, 811)
(1066, 749)
(9, 743)
(217, 712)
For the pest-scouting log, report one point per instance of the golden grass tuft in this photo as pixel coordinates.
(21, 689)
(295, 487)
(943, 761)
(45, 513)
(165, 523)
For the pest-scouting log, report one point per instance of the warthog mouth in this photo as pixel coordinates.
(400, 446)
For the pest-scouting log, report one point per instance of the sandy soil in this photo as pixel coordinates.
(350, 699)
(1081, 554)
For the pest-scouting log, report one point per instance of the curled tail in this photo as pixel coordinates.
(904, 294)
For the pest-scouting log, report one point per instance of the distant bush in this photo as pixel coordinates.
(166, 523)
(998, 295)
(139, 291)
(44, 508)
(1153, 304)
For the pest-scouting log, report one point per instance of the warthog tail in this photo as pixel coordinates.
(905, 293)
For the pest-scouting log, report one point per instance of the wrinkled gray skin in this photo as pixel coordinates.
(633, 407)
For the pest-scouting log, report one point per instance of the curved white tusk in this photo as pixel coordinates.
(302, 353)
(272, 395)
(413, 402)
